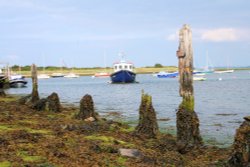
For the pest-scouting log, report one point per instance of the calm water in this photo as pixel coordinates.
(212, 97)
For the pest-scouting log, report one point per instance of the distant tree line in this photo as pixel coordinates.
(55, 68)
(52, 68)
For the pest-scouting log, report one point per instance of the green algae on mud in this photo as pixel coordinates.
(5, 164)
(30, 158)
(33, 138)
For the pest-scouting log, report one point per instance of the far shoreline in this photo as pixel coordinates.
(92, 71)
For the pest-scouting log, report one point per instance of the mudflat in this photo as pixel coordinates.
(33, 138)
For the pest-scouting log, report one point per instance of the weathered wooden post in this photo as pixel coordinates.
(241, 147)
(147, 126)
(188, 134)
(34, 94)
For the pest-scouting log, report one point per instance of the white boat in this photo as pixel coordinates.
(17, 81)
(43, 76)
(224, 71)
(200, 74)
(199, 78)
(71, 75)
(57, 75)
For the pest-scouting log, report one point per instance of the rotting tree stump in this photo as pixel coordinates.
(147, 126)
(86, 108)
(188, 133)
(241, 147)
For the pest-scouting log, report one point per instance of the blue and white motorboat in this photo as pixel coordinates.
(123, 72)
(17, 81)
(164, 74)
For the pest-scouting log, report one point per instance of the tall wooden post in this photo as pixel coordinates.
(34, 94)
(188, 134)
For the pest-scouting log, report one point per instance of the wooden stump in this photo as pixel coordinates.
(2, 93)
(86, 108)
(34, 94)
(54, 103)
(41, 105)
(147, 126)
(2, 81)
(51, 103)
(188, 133)
(241, 147)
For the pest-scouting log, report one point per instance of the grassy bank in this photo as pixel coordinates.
(92, 71)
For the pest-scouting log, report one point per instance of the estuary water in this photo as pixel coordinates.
(220, 104)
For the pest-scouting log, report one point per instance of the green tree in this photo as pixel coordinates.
(158, 65)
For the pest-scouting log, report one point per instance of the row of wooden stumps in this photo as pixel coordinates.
(147, 126)
(188, 133)
(51, 103)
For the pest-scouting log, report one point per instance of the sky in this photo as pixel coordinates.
(92, 33)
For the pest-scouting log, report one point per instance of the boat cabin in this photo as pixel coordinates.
(122, 65)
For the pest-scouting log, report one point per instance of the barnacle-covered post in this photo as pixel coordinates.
(188, 134)
(34, 94)
(87, 110)
(241, 147)
(147, 126)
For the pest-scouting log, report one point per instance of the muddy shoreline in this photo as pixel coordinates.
(35, 138)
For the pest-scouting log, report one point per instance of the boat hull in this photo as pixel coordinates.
(222, 72)
(123, 76)
(167, 75)
(57, 75)
(17, 83)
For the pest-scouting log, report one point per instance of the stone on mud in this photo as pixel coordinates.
(130, 152)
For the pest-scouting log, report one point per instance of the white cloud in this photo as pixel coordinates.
(221, 35)
(173, 37)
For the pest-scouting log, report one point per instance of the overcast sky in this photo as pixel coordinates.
(87, 33)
